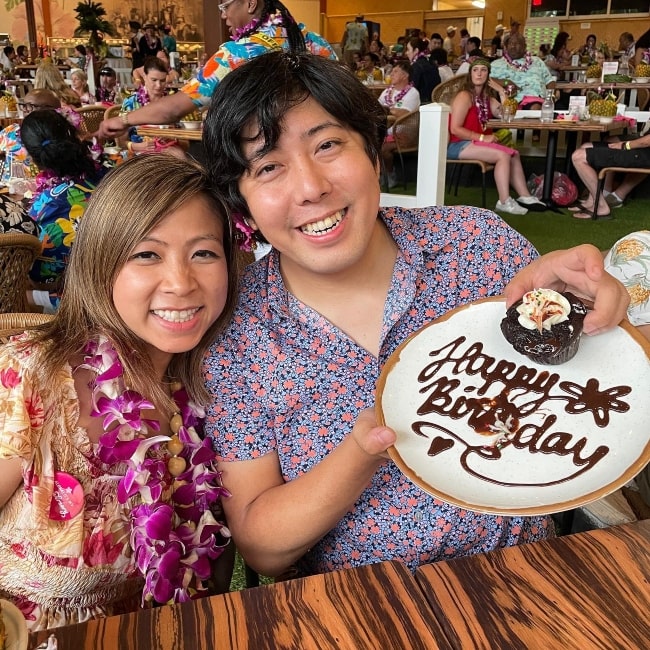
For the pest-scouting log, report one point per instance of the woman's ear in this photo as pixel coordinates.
(252, 6)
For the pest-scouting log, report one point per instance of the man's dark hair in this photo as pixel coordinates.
(438, 56)
(475, 41)
(261, 93)
(8, 49)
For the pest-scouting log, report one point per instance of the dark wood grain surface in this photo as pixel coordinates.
(378, 607)
(585, 591)
(559, 125)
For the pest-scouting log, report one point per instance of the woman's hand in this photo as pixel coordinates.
(372, 438)
(581, 271)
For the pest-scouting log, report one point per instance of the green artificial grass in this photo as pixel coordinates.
(549, 230)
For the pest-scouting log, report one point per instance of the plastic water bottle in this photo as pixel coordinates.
(548, 108)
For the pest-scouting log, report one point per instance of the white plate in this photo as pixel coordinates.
(15, 626)
(603, 119)
(459, 358)
(641, 80)
(191, 126)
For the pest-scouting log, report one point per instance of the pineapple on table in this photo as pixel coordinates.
(594, 71)
(642, 69)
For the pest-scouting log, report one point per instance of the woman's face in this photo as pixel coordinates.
(410, 52)
(480, 74)
(77, 83)
(591, 42)
(236, 14)
(155, 82)
(315, 196)
(174, 284)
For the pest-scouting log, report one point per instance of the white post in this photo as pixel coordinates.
(432, 157)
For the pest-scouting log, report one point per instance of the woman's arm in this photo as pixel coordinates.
(11, 476)
(275, 523)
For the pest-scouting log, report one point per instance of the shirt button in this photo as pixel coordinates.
(418, 516)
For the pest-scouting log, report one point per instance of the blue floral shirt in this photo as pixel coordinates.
(285, 380)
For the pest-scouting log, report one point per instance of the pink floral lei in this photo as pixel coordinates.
(174, 535)
(528, 61)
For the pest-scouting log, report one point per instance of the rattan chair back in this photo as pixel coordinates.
(17, 254)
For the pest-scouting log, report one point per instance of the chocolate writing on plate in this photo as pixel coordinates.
(509, 398)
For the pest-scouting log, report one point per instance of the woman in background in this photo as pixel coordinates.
(79, 81)
(67, 177)
(470, 138)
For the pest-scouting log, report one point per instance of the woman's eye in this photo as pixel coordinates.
(329, 145)
(144, 255)
(205, 253)
(266, 169)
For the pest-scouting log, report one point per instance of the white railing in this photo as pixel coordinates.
(432, 156)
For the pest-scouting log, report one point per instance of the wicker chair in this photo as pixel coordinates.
(444, 93)
(112, 111)
(406, 130)
(17, 254)
(17, 322)
(91, 118)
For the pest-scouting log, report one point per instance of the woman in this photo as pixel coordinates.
(153, 89)
(559, 56)
(48, 77)
(172, 75)
(79, 81)
(80, 58)
(256, 27)
(399, 99)
(439, 58)
(293, 142)
(588, 51)
(151, 284)
(67, 177)
(470, 138)
(425, 76)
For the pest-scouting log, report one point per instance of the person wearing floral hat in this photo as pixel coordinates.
(109, 496)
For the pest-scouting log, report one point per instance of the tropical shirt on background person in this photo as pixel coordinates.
(57, 211)
(12, 146)
(270, 35)
(14, 218)
(530, 74)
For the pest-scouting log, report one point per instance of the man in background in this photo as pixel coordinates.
(496, 44)
(355, 40)
(448, 43)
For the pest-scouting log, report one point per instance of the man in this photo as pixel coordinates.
(528, 73)
(10, 143)
(355, 40)
(293, 377)
(475, 50)
(370, 68)
(626, 151)
(435, 42)
(425, 76)
(496, 44)
(448, 43)
(257, 26)
(107, 86)
(168, 40)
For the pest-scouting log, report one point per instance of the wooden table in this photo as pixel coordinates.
(377, 607)
(571, 128)
(178, 134)
(590, 590)
(619, 88)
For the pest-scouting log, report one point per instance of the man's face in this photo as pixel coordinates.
(436, 43)
(516, 46)
(36, 103)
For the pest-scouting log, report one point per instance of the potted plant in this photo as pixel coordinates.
(90, 16)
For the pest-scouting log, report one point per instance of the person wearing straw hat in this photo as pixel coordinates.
(448, 43)
(497, 40)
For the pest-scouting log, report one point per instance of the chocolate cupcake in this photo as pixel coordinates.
(545, 326)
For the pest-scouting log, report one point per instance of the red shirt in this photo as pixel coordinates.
(472, 123)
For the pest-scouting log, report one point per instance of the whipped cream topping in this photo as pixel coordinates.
(542, 308)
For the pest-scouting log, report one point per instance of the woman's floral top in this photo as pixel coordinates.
(58, 571)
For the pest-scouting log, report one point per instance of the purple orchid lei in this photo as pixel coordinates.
(244, 237)
(174, 535)
(528, 60)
